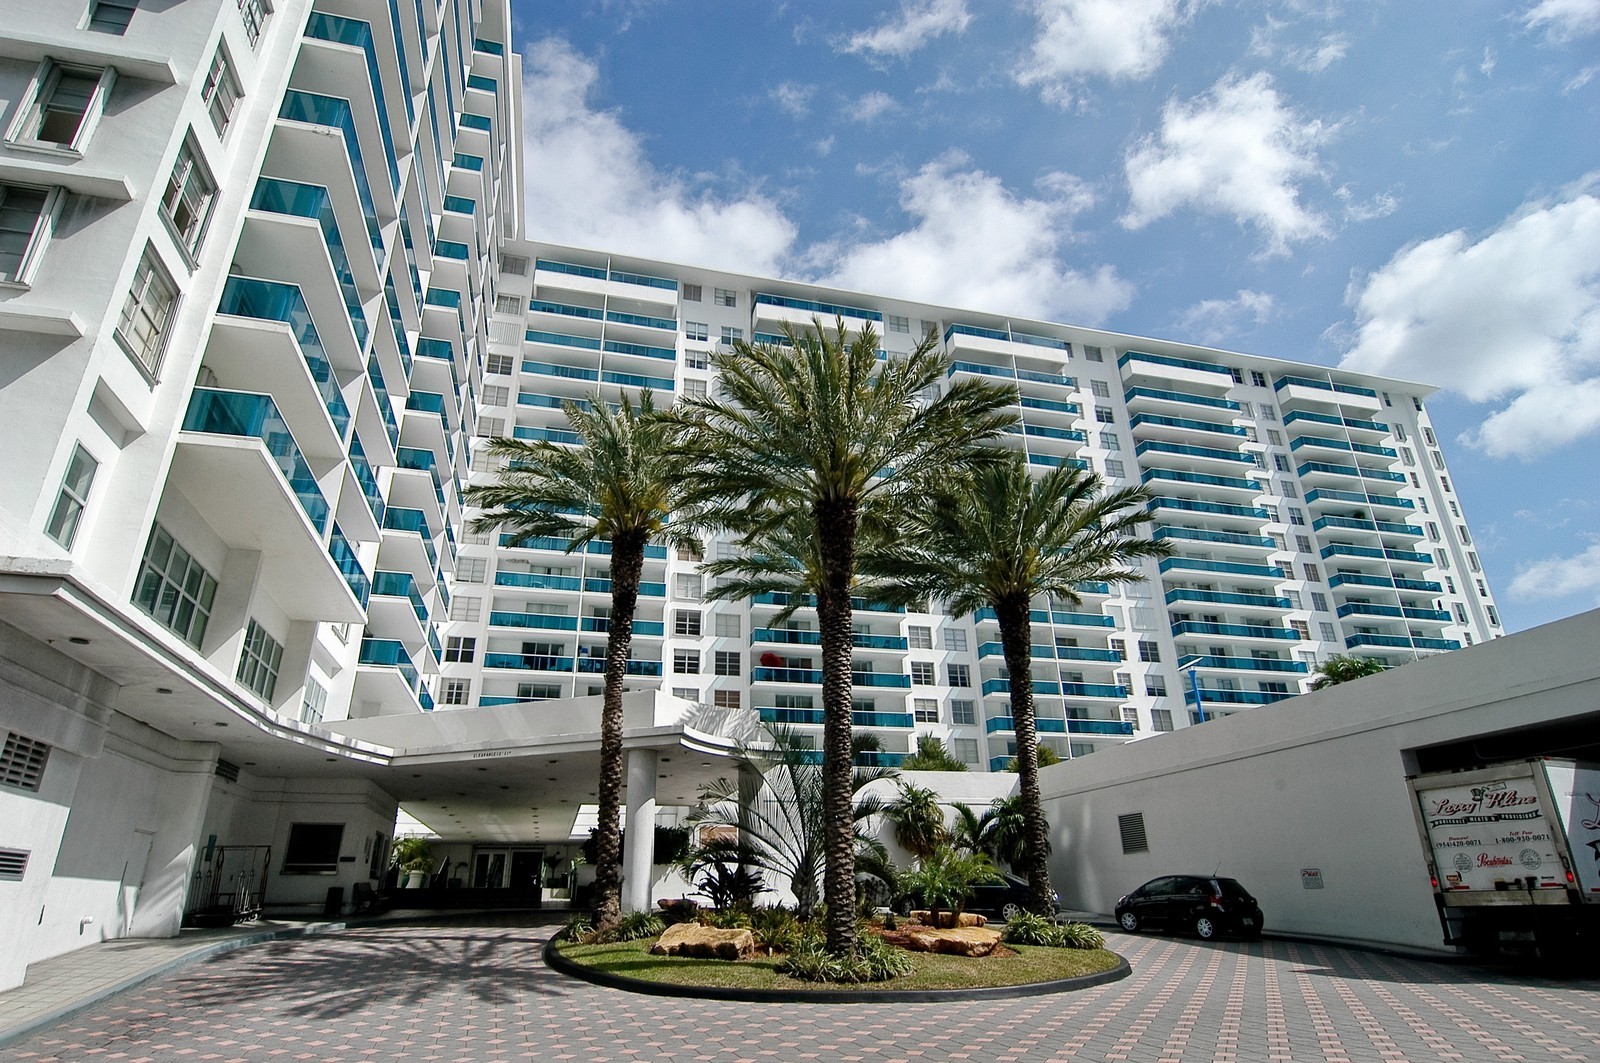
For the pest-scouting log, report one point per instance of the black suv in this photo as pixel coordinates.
(1206, 905)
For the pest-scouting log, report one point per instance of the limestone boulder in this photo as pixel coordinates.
(705, 942)
(961, 941)
(949, 920)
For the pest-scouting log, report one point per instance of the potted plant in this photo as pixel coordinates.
(414, 856)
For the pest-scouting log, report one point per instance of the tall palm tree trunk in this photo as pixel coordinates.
(836, 530)
(1016, 637)
(627, 564)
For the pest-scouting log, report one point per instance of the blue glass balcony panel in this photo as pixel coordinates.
(490, 47)
(400, 585)
(814, 676)
(548, 435)
(420, 460)
(463, 161)
(1130, 394)
(641, 320)
(1156, 446)
(380, 391)
(1188, 424)
(647, 589)
(635, 380)
(1296, 416)
(566, 372)
(1253, 601)
(664, 283)
(275, 301)
(1241, 631)
(367, 479)
(460, 205)
(312, 201)
(248, 415)
(1059, 379)
(349, 565)
(1029, 402)
(569, 269)
(1346, 550)
(1244, 664)
(1351, 471)
(1322, 385)
(389, 653)
(586, 313)
(1177, 363)
(1236, 568)
(1237, 697)
(1360, 498)
(1236, 482)
(641, 350)
(532, 662)
(349, 31)
(479, 122)
(1218, 508)
(538, 581)
(632, 667)
(1207, 536)
(483, 84)
(1340, 444)
(825, 310)
(541, 621)
(452, 249)
(1040, 431)
(1005, 372)
(313, 109)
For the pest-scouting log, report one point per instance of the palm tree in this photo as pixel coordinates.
(1003, 831)
(918, 820)
(966, 833)
(931, 755)
(817, 430)
(617, 484)
(999, 538)
(1344, 667)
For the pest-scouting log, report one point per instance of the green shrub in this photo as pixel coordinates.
(776, 927)
(875, 961)
(1081, 936)
(634, 925)
(681, 910)
(577, 928)
(726, 918)
(1029, 928)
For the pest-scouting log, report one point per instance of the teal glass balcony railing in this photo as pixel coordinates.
(418, 460)
(1399, 642)
(1003, 686)
(1093, 587)
(389, 653)
(547, 435)
(325, 27)
(1188, 424)
(367, 479)
(1322, 385)
(1196, 564)
(1204, 535)
(1041, 652)
(445, 297)
(1189, 505)
(529, 662)
(1177, 363)
(1341, 444)
(596, 585)
(1238, 631)
(570, 269)
(1156, 446)
(430, 402)
(1249, 601)
(1236, 697)
(1297, 416)
(814, 717)
(1237, 483)
(1129, 394)
(539, 621)
(461, 204)
(1058, 379)
(1362, 579)
(644, 281)
(463, 161)
(253, 416)
(814, 676)
(349, 566)
(1244, 664)
(416, 522)
(1323, 523)
(596, 546)
(635, 380)
(313, 109)
(1040, 616)
(1053, 689)
(400, 585)
(810, 602)
(488, 47)
(275, 301)
(633, 667)
(1346, 550)
(824, 310)
(452, 249)
(582, 313)
(640, 350)
(274, 196)
(642, 320)
(483, 84)
(537, 581)
(1359, 498)
(602, 624)
(1351, 471)
(380, 391)
(1042, 432)
(1029, 402)
(1042, 724)
(797, 637)
(402, 342)
(979, 369)
(1048, 342)
(565, 372)
(1054, 462)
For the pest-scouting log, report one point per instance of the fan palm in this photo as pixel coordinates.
(998, 538)
(616, 485)
(1344, 667)
(918, 820)
(817, 430)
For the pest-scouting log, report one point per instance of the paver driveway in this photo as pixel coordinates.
(480, 993)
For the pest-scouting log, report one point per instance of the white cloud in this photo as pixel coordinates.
(1486, 68)
(917, 24)
(1580, 79)
(1511, 319)
(1380, 205)
(1214, 320)
(796, 99)
(1312, 59)
(871, 107)
(1559, 577)
(1239, 151)
(1562, 20)
(975, 243)
(588, 181)
(1116, 39)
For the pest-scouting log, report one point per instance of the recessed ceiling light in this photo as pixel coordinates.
(78, 640)
(330, 760)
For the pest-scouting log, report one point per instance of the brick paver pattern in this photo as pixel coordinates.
(480, 993)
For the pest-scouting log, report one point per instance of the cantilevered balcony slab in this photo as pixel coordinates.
(256, 355)
(290, 249)
(315, 153)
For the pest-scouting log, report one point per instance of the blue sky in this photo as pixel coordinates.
(1403, 188)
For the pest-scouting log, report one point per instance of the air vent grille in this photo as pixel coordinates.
(228, 770)
(22, 762)
(13, 862)
(1131, 827)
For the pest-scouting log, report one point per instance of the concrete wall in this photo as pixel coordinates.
(1315, 782)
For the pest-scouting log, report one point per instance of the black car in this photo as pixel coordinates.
(997, 900)
(1204, 904)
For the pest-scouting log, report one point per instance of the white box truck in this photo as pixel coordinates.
(1513, 851)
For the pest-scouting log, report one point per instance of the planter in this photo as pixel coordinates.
(416, 880)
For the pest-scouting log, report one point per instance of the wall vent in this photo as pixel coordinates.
(13, 862)
(1131, 827)
(228, 770)
(22, 762)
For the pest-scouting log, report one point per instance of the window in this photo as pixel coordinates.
(922, 673)
(1311, 572)
(686, 622)
(1296, 516)
(1472, 561)
(925, 710)
(22, 761)
(490, 427)
(1288, 490)
(1433, 531)
(1258, 379)
(1155, 686)
(455, 691)
(500, 364)
(729, 625)
(689, 586)
(1294, 598)
(692, 293)
(1319, 601)
(465, 607)
(919, 637)
(1274, 437)
(516, 265)
(693, 359)
(1444, 482)
(1494, 618)
(960, 674)
(686, 662)
(142, 325)
(1117, 647)
(111, 16)
(1483, 588)
(955, 639)
(313, 849)
(1416, 403)
(1109, 441)
(1285, 569)
(27, 216)
(1268, 413)
(899, 324)
(1114, 468)
(1301, 629)
(1416, 483)
(472, 569)
(259, 660)
(1149, 651)
(1461, 612)
(726, 662)
(694, 389)
(730, 334)
(1160, 719)
(1100, 388)
(1302, 543)
(174, 589)
(1280, 463)
(725, 699)
(963, 711)
(313, 702)
(1104, 415)
(496, 395)
(1272, 513)
(965, 750)
(1328, 634)
(1246, 410)
(1427, 433)
(1279, 541)
(724, 297)
(74, 496)
(686, 693)
(696, 330)
(1455, 510)
(254, 15)
(459, 649)
(64, 107)
(186, 203)
(507, 304)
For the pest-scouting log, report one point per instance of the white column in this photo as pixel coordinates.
(636, 852)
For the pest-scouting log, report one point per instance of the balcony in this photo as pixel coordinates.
(295, 247)
(1324, 495)
(641, 628)
(1157, 452)
(534, 621)
(1205, 535)
(1379, 527)
(1362, 579)
(647, 589)
(415, 537)
(813, 677)
(1049, 688)
(597, 280)
(1070, 409)
(1232, 568)
(1040, 616)
(1234, 631)
(1041, 652)
(1237, 697)
(1300, 391)
(797, 637)
(1055, 725)
(1246, 664)
(1201, 480)
(1322, 443)
(1400, 642)
(815, 717)
(528, 662)
(1436, 616)
(238, 464)
(1318, 469)
(800, 312)
(597, 666)
(301, 138)
(387, 683)
(537, 581)
(1250, 515)
(1351, 424)
(1248, 601)
(1156, 426)
(1408, 557)
(1142, 398)
(641, 350)
(1168, 369)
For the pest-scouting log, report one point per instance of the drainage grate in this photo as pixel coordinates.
(1131, 827)
(22, 762)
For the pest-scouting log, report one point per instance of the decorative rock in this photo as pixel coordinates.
(707, 942)
(949, 920)
(963, 941)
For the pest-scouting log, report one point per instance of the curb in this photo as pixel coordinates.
(556, 962)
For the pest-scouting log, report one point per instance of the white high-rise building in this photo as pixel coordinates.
(263, 283)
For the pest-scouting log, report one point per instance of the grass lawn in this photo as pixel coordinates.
(632, 959)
